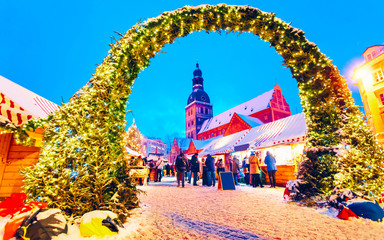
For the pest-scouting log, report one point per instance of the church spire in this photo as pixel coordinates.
(197, 81)
(199, 107)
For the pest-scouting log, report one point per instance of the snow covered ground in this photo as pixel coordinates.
(200, 212)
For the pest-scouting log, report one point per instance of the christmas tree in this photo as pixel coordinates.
(133, 138)
(81, 166)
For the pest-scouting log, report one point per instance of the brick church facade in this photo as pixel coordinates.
(199, 107)
(202, 125)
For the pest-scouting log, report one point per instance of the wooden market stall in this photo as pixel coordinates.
(13, 157)
(17, 106)
(284, 138)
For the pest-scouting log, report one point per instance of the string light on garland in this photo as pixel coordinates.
(330, 112)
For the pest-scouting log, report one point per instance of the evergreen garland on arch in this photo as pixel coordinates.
(85, 136)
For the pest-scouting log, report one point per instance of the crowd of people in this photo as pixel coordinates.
(189, 170)
(250, 170)
(157, 168)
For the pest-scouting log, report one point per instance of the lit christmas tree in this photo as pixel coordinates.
(133, 138)
(81, 166)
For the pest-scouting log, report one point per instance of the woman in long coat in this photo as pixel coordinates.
(254, 163)
(235, 168)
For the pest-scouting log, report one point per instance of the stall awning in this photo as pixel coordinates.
(200, 144)
(223, 144)
(287, 130)
(131, 152)
(19, 105)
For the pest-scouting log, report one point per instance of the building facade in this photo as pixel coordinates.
(199, 107)
(154, 147)
(179, 145)
(370, 80)
(267, 107)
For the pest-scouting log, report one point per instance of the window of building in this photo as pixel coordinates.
(369, 57)
(382, 99)
(378, 76)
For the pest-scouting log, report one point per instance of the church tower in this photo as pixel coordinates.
(199, 107)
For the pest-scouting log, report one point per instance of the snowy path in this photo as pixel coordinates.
(197, 212)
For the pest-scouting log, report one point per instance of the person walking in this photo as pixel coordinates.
(205, 174)
(181, 166)
(189, 172)
(195, 168)
(254, 163)
(270, 161)
(235, 169)
(210, 163)
(246, 169)
(220, 166)
(159, 165)
(167, 170)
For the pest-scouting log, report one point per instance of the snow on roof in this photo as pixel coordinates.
(131, 152)
(199, 144)
(251, 121)
(223, 144)
(19, 104)
(283, 131)
(254, 105)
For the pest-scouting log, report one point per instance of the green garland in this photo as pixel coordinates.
(85, 136)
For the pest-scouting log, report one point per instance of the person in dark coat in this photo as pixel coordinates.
(195, 168)
(181, 166)
(235, 169)
(270, 161)
(205, 174)
(167, 169)
(210, 163)
(246, 169)
(189, 172)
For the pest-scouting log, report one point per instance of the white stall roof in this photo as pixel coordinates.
(283, 131)
(199, 144)
(131, 152)
(223, 144)
(18, 104)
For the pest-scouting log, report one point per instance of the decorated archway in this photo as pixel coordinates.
(81, 166)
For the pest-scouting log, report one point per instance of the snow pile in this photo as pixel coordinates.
(200, 212)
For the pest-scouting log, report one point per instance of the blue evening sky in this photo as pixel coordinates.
(52, 48)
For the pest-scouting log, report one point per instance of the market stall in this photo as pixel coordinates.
(17, 106)
(284, 138)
